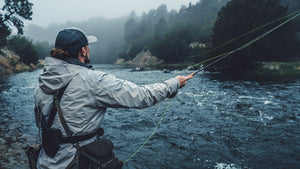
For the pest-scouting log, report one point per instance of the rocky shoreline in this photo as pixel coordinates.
(144, 58)
(261, 70)
(10, 63)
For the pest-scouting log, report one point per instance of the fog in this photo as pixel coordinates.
(105, 19)
(60, 11)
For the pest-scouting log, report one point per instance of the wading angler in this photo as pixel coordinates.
(70, 104)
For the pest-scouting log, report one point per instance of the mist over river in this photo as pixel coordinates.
(211, 123)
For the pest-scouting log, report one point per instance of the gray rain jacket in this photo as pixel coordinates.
(85, 100)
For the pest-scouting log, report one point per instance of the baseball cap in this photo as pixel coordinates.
(72, 40)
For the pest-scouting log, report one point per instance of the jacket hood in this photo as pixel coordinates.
(56, 74)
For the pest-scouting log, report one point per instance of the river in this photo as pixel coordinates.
(213, 122)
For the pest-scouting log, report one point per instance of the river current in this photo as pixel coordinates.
(212, 122)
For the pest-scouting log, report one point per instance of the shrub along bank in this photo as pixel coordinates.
(274, 71)
(10, 63)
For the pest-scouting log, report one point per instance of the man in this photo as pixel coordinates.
(87, 94)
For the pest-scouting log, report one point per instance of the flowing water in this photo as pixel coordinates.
(211, 123)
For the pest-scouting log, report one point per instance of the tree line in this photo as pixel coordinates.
(240, 17)
(12, 15)
(168, 34)
(35, 42)
(211, 23)
(173, 36)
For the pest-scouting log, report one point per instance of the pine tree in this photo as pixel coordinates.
(241, 16)
(24, 48)
(12, 13)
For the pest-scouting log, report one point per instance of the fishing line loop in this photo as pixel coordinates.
(219, 58)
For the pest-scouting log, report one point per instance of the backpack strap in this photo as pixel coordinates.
(56, 108)
(58, 94)
(56, 102)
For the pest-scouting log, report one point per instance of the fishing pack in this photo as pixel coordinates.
(98, 154)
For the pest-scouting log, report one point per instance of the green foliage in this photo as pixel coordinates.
(160, 28)
(168, 34)
(43, 49)
(293, 6)
(4, 33)
(131, 32)
(241, 16)
(14, 11)
(274, 71)
(173, 46)
(24, 48)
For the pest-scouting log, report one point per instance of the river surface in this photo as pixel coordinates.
(212, 123)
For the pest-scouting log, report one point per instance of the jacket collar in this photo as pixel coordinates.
(77, 62)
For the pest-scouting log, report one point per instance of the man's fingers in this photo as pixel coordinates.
(189, 76)
(183, 79)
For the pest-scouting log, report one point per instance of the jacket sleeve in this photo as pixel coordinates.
(113, 92)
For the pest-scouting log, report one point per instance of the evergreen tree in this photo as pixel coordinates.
(293, 6)
(13, 12)
(201, 17)
(168, 34)
(241, 16)
(24, 48)
(173, 46)
(43, 49)
(131, 32)
(160, 28)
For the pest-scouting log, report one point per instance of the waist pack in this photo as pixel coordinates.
(96, 155)
(52, 138)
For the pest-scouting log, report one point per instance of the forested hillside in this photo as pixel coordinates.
(184, 36)
(168, 34)
(177, 36)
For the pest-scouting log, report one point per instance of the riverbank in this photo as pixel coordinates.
(10, 63)
(259, 71)
(275, 71)
(145, 59)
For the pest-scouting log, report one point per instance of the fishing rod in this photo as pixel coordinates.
(221, 57)
(218, 58)
(232, 40)
(245, 34)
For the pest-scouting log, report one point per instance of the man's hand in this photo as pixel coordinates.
(183, 79)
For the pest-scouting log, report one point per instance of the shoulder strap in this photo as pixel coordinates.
(56, 102)
(52, 114)
(71, 139)
(56, 108)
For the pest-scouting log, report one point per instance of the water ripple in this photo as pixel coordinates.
(212, 123)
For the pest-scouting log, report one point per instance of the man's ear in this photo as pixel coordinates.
(83, 51)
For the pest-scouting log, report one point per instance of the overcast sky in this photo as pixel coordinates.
(59, 11)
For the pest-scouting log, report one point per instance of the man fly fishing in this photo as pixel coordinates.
(71, 100)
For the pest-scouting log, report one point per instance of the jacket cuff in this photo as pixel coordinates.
(174, 85)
